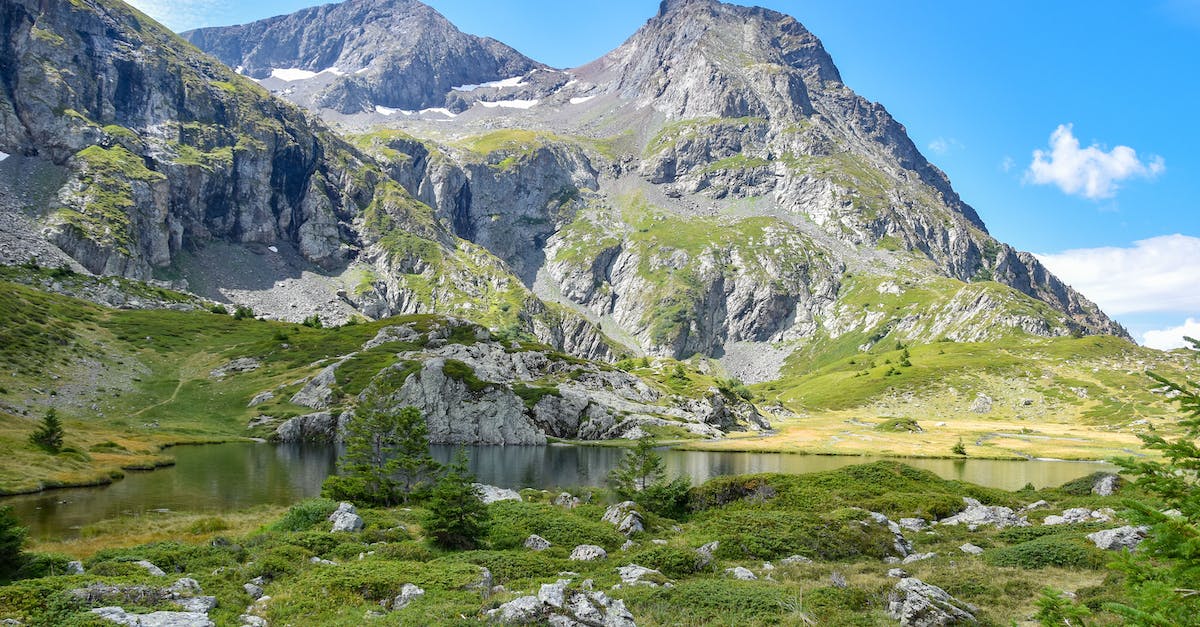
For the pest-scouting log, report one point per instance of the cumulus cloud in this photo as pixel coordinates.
(1167, 339)
(943, 145)
(1090, 172)
(1159, 274)
(181, 15)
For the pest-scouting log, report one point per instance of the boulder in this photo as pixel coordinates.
(154, 619)
(982, 404)
(627, 519)
(795, 559)
(321, 426)
(899, 542)
(567, 500)
(898, 573)
(1106, 484)
(254, 591)
(913, 524)
(588, 553)
(1077, 515)
(151, 568)
(918, 604)
(536, 543)
(554, 594)
(971, 549)
(1127, 537)
(977, 514)
(704, 554)
(917, 557)
(519, 611)
(345, 519)
(635, 575)
(408, 592)
(492, 494)
(318, 392)
(740, 572)
(75, 568)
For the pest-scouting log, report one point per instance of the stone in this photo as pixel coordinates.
(899, 542)
(554, 594)
(321, 427)
(971, 549)
(704, 554)
(198, 604)
(837, 580)
(1035, 505)
(261, 398)
(659, 542)
(536, 543)
(627, 519)
(982, 404)
(492, 494)
(917, 557)
(485, 582)
(913, 524)
(250, 620)
(75, 567)
(1077, 515)
(151, 568)
(346, 519)
(519, 611)
(740, 572)
(795, 559)
(408, 593)
(567, 500)
(588, 553)
(1106, 484)
(977, 514)
(185, 585)
(324, 562)
(318, 393)
(154, 619)
(918, 604)
(241, 364)
(636, 575)
(898, 573)
(1127, 537)
(628, 544)
(252, 590)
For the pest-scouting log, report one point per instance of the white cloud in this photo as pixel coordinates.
(1160, 274)
(943, 145)
(1007, 164)
(1090, 172)
(1167, 339)
(181, 15)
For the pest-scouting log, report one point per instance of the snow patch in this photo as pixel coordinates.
(441, 110)
(272, 249)
(3, 155)
(362, 71)
(581, 99)
(297, 74)
(510, 104)
(241, 69)
(382, 110)
(515, 81)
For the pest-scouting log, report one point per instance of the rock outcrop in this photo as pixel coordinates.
(918, 604)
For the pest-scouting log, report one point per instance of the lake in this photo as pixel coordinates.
(224, 477)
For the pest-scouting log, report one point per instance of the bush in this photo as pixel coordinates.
(34, 565)
(50, 435)
(242, 312)
(668, 499)
(407, 551)
(711, 601)
(773, 534)
(513, 521)
(279, 561)
(210, 524)
(313, 321)
(672, 561)
(12, 538)
(1047, 551)
(219, 309)
(514, 566)
(175, 557)
(457, 519)
(899, 425)
(304, 515)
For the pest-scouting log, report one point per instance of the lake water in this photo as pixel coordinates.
(223, 477)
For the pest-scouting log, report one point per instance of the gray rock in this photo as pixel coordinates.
(588, 553)
(1106, 484)
(1127, 537)
(241, 364)
(197, 604)
(252, 590)
(627, 519)
(154, 619)
(976, 514)
(151, 568)
(492, 494)
(918, 557)
(628, 544)
(795, 559)
(837, 580)
(345, 519)
(408, 593)
(739, 572)
(519, 611)
(567, 500)
(185, 585)
(971, 549)
(898, 573)
(982, 404)
(918, 604)
(536, 543)
(261, 398)
(913, 524)
(322, 561)
(554, 594)
(635, 575)
(320, 427)
(899, 542)
(704, 554)
(318, 392)
(75, 568)
(1076, 515)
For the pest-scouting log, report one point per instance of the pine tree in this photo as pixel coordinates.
(1163, 577)
(387, 458)
(50, 435)
(457, 518)
(640, 468)
(12, 537)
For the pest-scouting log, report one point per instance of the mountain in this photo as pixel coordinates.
(712, 183)
(357, 55)
(148, 159)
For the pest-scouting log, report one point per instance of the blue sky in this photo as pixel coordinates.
(1107, 91)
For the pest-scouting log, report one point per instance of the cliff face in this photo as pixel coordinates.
(391, 53)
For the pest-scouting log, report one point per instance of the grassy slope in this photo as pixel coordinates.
(811, 515)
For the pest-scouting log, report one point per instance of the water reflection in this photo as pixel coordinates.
(224, 477)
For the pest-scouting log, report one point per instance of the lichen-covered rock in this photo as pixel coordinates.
(536, 543)
(1077, 515)
(154, 619)
(627, 519)
(741, 572)
(588, 553)
(345, 519)
(977, 514)
(1106, 484)
(1121, 538)
(408, 593)
(918, 604)
(492, 494)
(704, 554)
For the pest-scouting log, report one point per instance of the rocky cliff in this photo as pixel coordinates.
(356, 55)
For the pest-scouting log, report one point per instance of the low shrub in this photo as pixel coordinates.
(279, 561)
(512, 522)
(407, 551)
(1046, 551)
(773, 534)
(510, 566)
(672, 561)
(305, 515)
(899, 425)
(716, 601)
